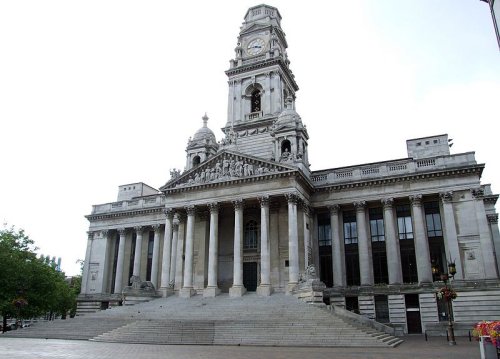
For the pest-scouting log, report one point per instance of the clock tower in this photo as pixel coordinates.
(261, 91)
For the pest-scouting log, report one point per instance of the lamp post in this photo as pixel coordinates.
(452, 270)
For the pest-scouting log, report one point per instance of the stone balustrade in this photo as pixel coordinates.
(386, 169)
(145, 202)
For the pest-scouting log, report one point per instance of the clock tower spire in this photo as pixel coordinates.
(260, 82)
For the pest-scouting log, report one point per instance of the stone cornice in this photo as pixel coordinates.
(101, 216)
(490, 198)
(420, 176)
(262, 64)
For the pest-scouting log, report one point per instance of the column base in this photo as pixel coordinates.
(187, 292)
(237, 291)
(211, 292)
(264, 290)
(166, 291)
(291, 287)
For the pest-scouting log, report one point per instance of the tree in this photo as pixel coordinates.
(29, 286)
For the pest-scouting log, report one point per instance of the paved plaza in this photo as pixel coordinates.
(414, 347)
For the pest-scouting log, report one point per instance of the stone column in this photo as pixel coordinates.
(167, 245)
(187, 288)
(267, 95)
(364, 246)
(138, 251)
(156, 255)
(493, 221)
(338, 253)
(119, 262)
(237, 290)
(103, 278)
(173, 257)
(86, 266)
(392, 244)
(450, 233)
(487, 248)
(293, 242)
(265, 256)
(213, 252)
(422, 253)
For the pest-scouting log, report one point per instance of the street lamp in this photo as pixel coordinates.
(448, 297)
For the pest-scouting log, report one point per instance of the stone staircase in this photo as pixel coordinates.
(277, 320)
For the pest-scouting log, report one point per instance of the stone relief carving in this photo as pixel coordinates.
(226, 169)
(174, 173)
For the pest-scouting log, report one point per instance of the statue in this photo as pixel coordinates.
(174, 173)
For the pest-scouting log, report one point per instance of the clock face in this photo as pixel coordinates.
(255, 46)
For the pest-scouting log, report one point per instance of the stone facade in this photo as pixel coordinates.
(247, 214)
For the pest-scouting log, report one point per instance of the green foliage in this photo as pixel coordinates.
(29, 286)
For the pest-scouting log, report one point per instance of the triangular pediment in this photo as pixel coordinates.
(255, 27)
(227, 166)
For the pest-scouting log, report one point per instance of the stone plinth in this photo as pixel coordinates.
(187, 292)
(264, 290)
(210, 292)
(237, 291)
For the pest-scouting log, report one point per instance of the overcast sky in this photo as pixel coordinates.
(94, 94)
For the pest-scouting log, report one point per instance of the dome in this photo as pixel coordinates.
(289, 116)
(204, 135)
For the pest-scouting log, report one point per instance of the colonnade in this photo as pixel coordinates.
(168, 257)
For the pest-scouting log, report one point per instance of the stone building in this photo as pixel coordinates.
(248, 214)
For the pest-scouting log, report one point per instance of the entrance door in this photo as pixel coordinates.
(413, 314)
(250, 276)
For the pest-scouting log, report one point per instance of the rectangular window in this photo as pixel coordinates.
(350, 228)
(324, 231)
(132, 257)
(433, 219)
(405, 227)
(149, 265)
(377, 224)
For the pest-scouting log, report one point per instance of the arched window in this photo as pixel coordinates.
(250, 238)
(196, 161)
(286, 146)
(255, 104)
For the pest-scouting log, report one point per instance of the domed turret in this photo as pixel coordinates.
(288, 117)
(204, 135)
(201, 146)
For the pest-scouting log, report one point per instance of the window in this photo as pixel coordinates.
(250, 238)
(324, 231)
(255, 104)
(433, 219)
(149, 264)
(350, 228)
(132, 257)
(405, 227)
(377, 224)
(286, 147)
(351, 248)
(196, 161)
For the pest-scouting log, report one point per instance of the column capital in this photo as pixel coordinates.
(291, 197)
(387, 203)
(213, 207)
(264, 201)
(492, 218)
(175, 225)
(238, 204)
(416, 200)
(359, 205)
(104, 233)
(169, 213)
(156, 227)
(121, 231)
(477, 193)
(90, 235)
(190, 210)
(334, 209)
(138, 229)
(446, 197)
